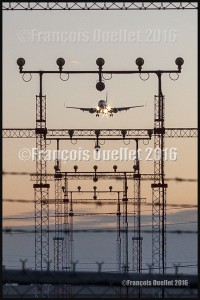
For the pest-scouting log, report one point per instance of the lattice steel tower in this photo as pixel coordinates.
(41, 188)
(137, 239)
(159, 188)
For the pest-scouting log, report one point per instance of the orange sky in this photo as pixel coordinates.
(180, 95)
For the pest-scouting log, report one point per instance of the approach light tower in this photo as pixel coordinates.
(41, 186)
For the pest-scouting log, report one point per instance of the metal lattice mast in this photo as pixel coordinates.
(41, 191)
(125, 265)
(66, 262)
(137, 239)
(58, 238)
(159, 189)
(67, 291)
(71, 238)
(118, 234)
(41, 188)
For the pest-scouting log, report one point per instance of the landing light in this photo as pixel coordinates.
(60, 62)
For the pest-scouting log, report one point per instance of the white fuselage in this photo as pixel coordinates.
(102, 104)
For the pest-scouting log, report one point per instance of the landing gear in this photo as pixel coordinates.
(97, 115)
(111, 115)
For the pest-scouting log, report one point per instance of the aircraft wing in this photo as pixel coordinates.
(91, 110)
(126, 108)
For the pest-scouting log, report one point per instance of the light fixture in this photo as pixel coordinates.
(95, 179)
(100, 86)
(97, 148)
(139, 62)
(56, 168)
(123, 132)
(60, 62)
(71, 132)
(75, 168)
(95, 168)
(21, 63)
(150, 132)
(115, 168)
(179, 62)
(100, 62)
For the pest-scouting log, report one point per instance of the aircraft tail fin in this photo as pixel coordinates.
(106, 97)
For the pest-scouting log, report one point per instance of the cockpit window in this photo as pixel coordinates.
(101, 103)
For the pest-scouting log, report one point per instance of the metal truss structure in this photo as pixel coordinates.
(63, 243)
(41, 188)
(118, 246)
(64, 276)
(159, 191)
(66, 257)
(90, 176)
(125, 256)
(98, 5)
(137, 239)
(103, 134)
(67, 247)
(63, 249)
(41, 191)
(58, 238)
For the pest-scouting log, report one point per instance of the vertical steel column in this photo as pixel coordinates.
(41, 192)
(58, 238)
(137, 239)
(41, 188)
(159, 187)
(71, 238)
(118, 234)
(66, 262)
(125, 227)
(67, 290)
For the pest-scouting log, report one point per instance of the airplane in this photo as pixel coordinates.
(104, 108)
